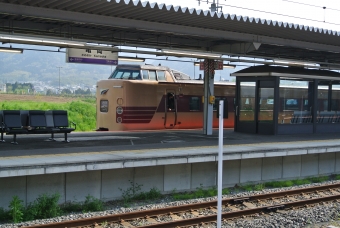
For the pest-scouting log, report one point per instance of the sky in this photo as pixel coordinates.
(303, 12)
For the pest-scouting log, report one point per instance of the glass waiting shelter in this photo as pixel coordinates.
(287, 100)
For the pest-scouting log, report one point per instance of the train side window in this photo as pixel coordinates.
(194, 104)
(217, 102)
(145, 74)
(152, 74)
(161, 76)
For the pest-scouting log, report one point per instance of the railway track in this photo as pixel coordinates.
(205, 213)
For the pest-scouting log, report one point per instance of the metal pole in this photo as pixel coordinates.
(220, 166)
(59, 78)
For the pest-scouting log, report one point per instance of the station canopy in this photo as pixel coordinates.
(164, 27)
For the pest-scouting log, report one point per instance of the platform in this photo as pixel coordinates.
(100, 163)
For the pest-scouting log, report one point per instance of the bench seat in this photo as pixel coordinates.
(13, 122)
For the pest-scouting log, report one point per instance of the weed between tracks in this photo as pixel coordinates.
(47, 206)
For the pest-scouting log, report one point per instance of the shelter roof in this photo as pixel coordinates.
(292, 72)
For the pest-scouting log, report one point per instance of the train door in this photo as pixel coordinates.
(170, 110)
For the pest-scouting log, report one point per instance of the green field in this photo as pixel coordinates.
(80, 111)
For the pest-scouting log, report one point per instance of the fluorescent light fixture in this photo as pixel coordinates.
(130, 59)
(41, 41)
(229, 66)
(63, 42)
(224, 65)
(289, 63)
(191, 53)
(11, 50)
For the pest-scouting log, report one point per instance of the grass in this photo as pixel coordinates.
(46, 206)
(134, 193)
(289, 183)
(82, 111)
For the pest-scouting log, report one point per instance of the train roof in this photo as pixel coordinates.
(199, 81)
(142, 67)
(179, 76)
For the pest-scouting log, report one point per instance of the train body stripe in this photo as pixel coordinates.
(136, 121)
(137, 117)
(138, 112)
(139, 108)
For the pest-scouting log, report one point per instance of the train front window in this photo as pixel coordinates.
(126, 74)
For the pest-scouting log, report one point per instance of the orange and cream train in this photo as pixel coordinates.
(147, 97)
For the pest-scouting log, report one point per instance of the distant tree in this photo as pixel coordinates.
(49, 92)
(15, 86)
(88, 92)
(66, 91)
(20, 88)
(79, 91)
(9, 88)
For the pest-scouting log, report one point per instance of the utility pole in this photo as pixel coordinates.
(59, 78)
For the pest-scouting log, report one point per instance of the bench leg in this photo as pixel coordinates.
(15, 139)
(2, 137)
(66, 138)
(52, 137)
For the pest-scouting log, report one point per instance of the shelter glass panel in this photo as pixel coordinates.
(335, 105)
(247, 101)
(266, 104)
(322, 98)
(324, 114)
(328, 100)
(294, 104)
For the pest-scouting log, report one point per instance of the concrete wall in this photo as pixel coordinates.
(111, 183)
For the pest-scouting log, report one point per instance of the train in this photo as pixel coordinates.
(148, 97)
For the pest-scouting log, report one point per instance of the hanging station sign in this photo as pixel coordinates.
(91, 56)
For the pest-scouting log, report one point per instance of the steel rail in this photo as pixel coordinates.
(177, 209)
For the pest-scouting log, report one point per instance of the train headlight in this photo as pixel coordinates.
(119, 110)
(104, 105)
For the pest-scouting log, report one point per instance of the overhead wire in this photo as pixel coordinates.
(279, 14)
(306, 4)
